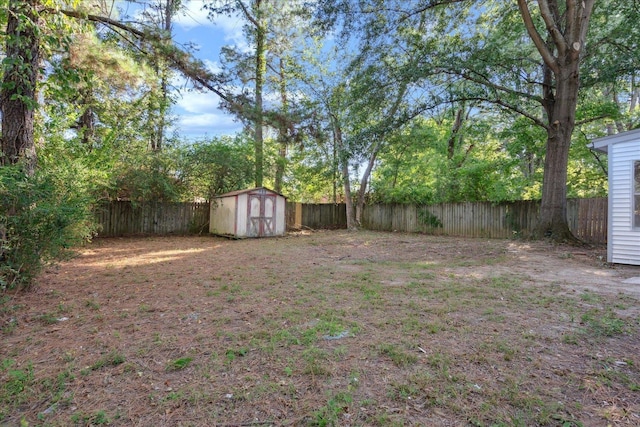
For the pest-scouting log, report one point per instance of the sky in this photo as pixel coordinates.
(196, 112)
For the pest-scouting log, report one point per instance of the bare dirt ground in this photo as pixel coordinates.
(325, 328)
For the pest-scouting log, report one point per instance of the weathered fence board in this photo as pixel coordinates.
(324, 215)
(587, 218)
(122, 218)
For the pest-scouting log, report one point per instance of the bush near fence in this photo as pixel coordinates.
(587, 218)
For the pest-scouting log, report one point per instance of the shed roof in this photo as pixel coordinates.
(602, 144)
(248, 190)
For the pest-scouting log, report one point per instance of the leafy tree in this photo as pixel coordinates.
(526, 59)
(216, 166)
(272, 28)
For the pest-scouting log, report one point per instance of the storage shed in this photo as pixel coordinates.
(256, 212)
(623, 234)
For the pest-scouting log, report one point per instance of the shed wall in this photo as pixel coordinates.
(242, 214)
(281, 209)
(233, 214)
(223, 215)
(624, 241)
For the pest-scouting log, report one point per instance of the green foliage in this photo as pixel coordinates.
(179, 364)
(15, 387)
(429, 219)
(41, 217)
(149, 175)
(217, 166)
(419, 166)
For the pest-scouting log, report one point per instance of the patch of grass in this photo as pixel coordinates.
(507, 350)
(603, 323)
(505, 282)
(316, 361)
(398, 356)
(92, 304)
(47, 319)
(233, 354)
(17, 381)
(590, 297)
(179, 364)
(113, 358)
(329, 415)
(94, 419)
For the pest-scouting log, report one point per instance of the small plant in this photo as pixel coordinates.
(329, 414)
(92, 304)
(398, 357)
(315, 361)
(605, 323)
(47, 319)
(113, 358)
(233, 354)
(97, 418)
(179, 364)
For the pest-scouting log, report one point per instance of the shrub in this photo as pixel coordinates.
(41, 217)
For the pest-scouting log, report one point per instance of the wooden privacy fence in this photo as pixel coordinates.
(316, 215)
(587, 218)
(123, 218)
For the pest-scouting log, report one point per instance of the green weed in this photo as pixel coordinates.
(92, 304)
(179, 364)
(399, 357)
(603, 323)
(329, 415)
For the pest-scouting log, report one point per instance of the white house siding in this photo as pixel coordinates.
(624, 240)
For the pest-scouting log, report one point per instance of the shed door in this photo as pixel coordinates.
(261, 214)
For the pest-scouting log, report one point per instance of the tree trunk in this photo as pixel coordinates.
(158, 139)
(283, 130)
(261, 70)
(362, 191)
(553, 207)
(455, 130)
(351, 220)
(18, 92)
(561, 52)
(344, 166)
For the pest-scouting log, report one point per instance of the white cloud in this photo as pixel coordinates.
(194, 15)
(210, 123)
(213, 66)
(194, 126)
(198, 115)
(198, 102)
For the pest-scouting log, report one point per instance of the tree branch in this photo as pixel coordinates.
(547, 55)
(246, 13)
(486, 82)
(551, 20)
(180, 60)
